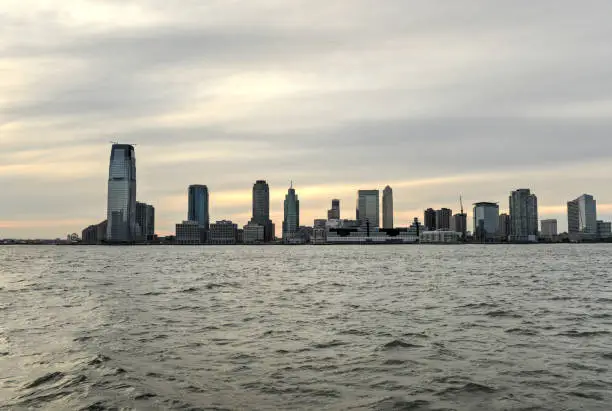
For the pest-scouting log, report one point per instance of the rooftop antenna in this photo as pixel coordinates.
(291, 184)
(462, 215)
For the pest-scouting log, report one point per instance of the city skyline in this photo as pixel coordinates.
(435, 100)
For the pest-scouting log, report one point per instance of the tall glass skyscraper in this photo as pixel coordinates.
(486, 221)
(292, 214)
(198, 205)
(121, 206)
(523, 216)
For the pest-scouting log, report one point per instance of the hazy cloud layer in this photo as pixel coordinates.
(435, 98)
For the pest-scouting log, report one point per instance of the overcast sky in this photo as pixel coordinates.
(434, 98)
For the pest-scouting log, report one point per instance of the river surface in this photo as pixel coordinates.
(411, 327)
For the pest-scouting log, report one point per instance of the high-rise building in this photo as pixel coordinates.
(121, 205)
(582, 217)
(459, 223)
(334, 212)
(291, 221)
(504, 227)
(197, 209)
(368, 208)
(429, 219)
(261, 209)
(523, 216)
(145, 221)
(486, 221)
(443, 219)
(387, 205)
(549, 229)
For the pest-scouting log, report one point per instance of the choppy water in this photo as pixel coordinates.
(344, 327)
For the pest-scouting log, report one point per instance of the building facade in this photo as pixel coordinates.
(443, 219)
(145, 221)
(368, 208)
(121, 202)
(261, 209)
(291, 220)
(223, 232)
(198, 207)
(253, 233)
(334, 212)
(486, 221)
(429, 219)
(459, 224)
(439, 237)
(387, 206)
(504, 226)
(94, 234)
(548, 229)
(188, 233)
(604, 230)
(523, 216)
(582, 218)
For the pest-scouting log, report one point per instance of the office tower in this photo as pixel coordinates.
(523, 216)
(582, 217)
(145, 221)
(223, 232)
(368, 210)
(459, 223)
(443, 219)
(549, 229)
(261, 208)
(291, 221)
(121, 205)
(504, 226)
(387, 205)
(486, 221)
(334, 212)
(429, 219)
(197, 208)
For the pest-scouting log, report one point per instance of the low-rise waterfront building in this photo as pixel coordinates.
(253, 233)
(440, 237)
(604, 230)
(223, 232)
(188, 233)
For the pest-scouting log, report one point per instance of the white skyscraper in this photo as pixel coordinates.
(387, 206)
